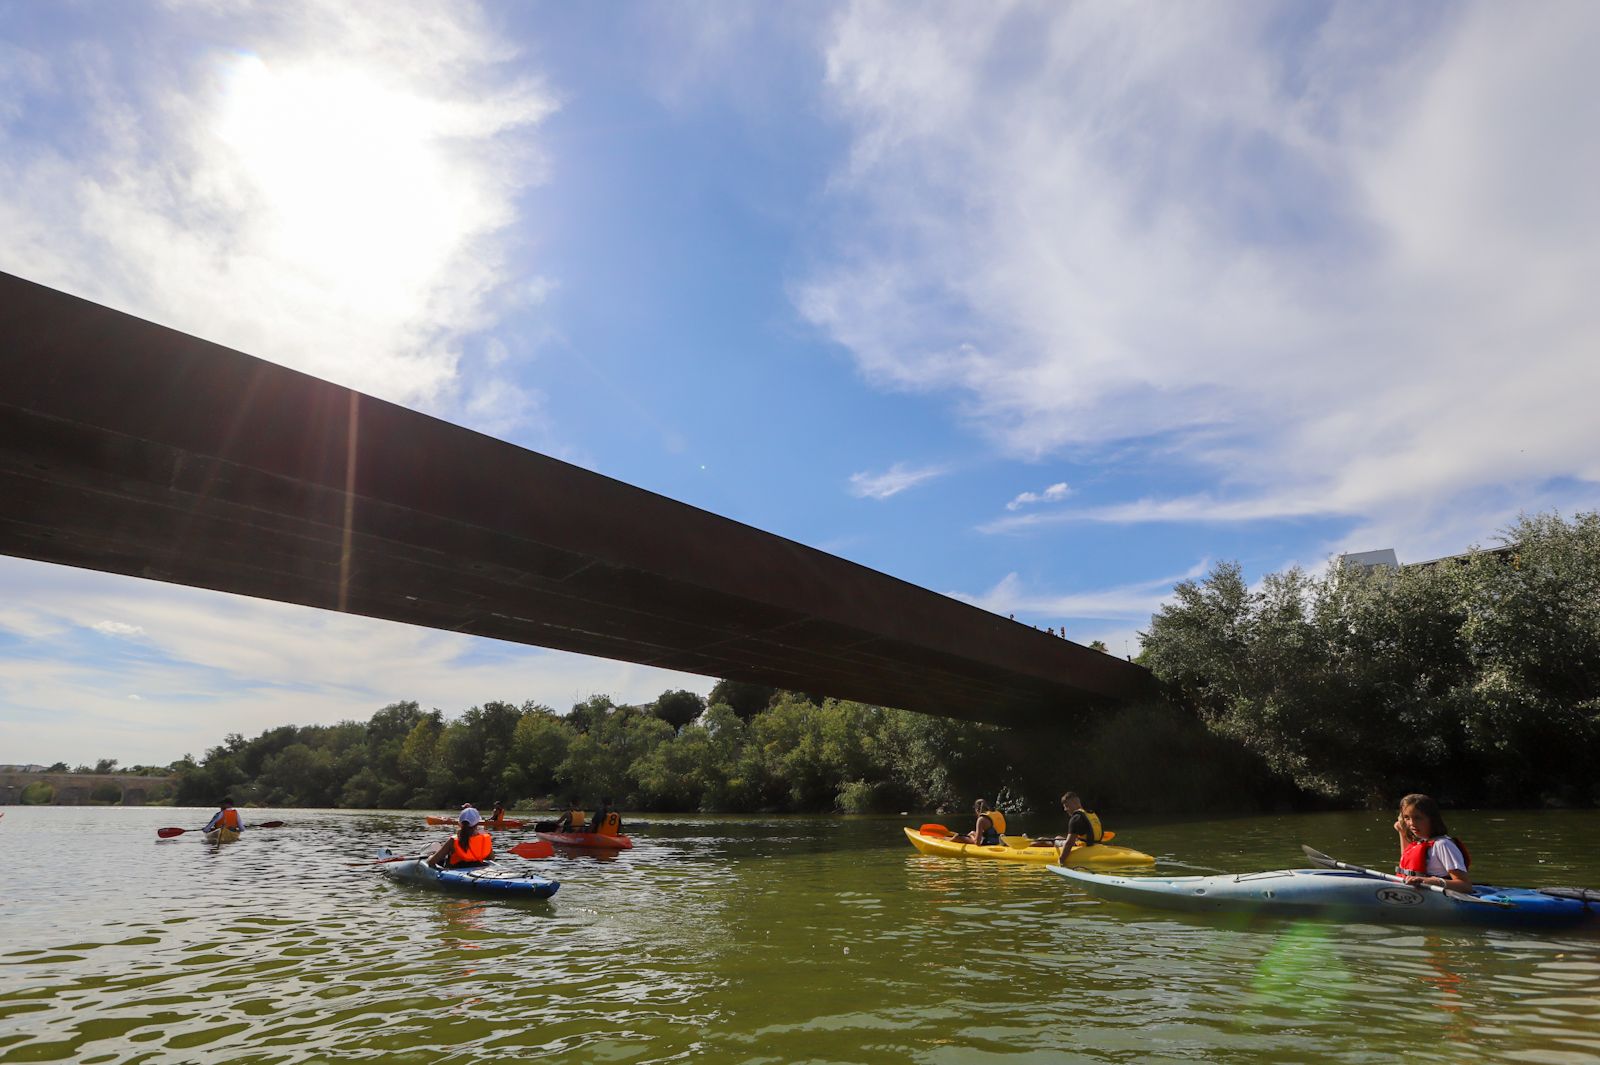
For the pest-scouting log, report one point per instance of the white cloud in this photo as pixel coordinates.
(320, 184)
(1053, 494)
(117, 628)
(1336, 263)
(893, 481)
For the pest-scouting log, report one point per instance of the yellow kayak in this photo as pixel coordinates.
(222, 835)
(1099, 854)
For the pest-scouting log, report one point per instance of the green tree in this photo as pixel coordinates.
(747, 700)
(678, 708)
(539, 747)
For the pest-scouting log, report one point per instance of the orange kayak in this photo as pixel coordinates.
(587, 839)
(509, 822)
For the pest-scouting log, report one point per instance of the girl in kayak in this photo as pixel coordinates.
(471, 845)
(986, 832)
(1428, 854)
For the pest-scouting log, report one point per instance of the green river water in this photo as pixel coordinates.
(721, 939)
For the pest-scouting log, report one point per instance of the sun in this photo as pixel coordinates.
(342, 177)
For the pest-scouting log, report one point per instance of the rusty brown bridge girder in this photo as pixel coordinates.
(131, 448)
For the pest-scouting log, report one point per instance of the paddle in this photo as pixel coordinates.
(1460, 896)
(381, 861)
(1022, 843)
(168, 833)
(934, 830)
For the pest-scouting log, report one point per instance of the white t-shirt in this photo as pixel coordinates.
(1444, 856)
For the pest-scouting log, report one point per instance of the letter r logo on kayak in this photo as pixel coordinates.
(1399, 896)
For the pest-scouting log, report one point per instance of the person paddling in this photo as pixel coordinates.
(471, 845)
(987, 829)
(1428, 853)
(226, 817)
(1083, 826)
(573, 820)
(606, 821)
(499, 814)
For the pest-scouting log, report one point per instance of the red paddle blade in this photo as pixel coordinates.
(934, 830)
(541, 849)
(168, 833)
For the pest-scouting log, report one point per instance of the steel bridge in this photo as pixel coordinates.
(131, 448)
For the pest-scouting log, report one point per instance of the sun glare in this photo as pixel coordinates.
(345, 178)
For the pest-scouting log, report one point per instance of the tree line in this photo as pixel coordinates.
(746, 748)
(1476, 679)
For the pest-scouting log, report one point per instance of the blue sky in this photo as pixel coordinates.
(1043, 306)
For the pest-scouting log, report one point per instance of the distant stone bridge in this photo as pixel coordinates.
(75, 789)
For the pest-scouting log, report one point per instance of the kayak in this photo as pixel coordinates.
(1102, 854)
(1340, 895)
(486, 879)
(509, 822)
(587, 839)
(221, 835)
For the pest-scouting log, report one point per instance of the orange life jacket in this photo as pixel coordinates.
(610, 825)
(230, 819)
(1414, 859)
(478, 849)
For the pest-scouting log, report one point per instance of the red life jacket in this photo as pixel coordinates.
(478, 849)
(230, 819)
(1414, 859)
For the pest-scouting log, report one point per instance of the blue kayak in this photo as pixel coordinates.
(1340, 895)
(485, 879)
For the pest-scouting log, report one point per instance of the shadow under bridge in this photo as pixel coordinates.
(131, 448)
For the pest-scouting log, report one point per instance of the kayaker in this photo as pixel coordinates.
(499, 814)
(1082, 824)
(986, 831)
(471, 845)
(1428, 853)
(225, 817)
(606, 821)
(573, 820)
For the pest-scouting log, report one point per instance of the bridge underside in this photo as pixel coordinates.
(130, 448)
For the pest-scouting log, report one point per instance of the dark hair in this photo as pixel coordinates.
(1070, 796)
(225, 801)
(1429, 808)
